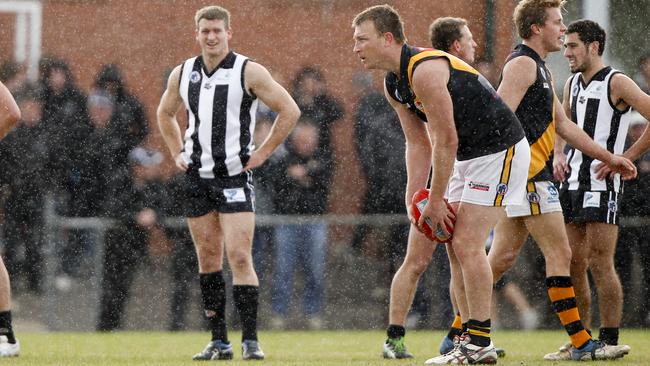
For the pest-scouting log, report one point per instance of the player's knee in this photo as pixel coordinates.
(579, 265)
(415, 266)
(502, 263)
(602, 267)
(207, 252)
(240, 260)
(467, 255)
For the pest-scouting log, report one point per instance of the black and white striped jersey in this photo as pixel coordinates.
(593, 110)
(221, 116)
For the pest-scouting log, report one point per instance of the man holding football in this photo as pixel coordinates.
(455, 124)
(453, 36)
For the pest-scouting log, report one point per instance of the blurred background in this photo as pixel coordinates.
(87, 185)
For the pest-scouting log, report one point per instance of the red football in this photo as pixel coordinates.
(420, 199)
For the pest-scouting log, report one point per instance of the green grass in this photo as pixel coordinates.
(286, 348)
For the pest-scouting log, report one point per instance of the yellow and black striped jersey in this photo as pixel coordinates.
(484, 123)
(536, 112)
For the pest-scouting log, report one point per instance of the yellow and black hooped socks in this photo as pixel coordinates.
(479, 332)
(456, 328)
(563, 299)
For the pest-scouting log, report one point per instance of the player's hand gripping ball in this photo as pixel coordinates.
(420, 199)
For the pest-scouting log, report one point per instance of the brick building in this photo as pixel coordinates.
(149, 37)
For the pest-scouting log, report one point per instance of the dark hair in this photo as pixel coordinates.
(443, 32)
(10, 69)
(313, 72)
(385, 18)
(589, 32)
(48, 64)
(109, 73)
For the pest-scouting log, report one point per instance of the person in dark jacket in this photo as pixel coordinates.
(134, 199)
(68, 127)
(129, 114)
(301, 187)
(317, 104)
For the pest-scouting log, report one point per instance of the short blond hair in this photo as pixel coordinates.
(529, 12)
(385, 18)
(211, 13)
(443, 32)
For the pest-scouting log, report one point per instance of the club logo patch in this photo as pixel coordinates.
(612, 206)
(195, 77)
(533, 197)
(502, 189)
(575, 90)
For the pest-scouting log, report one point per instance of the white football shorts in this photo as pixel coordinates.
(539, 198)
(497, 179)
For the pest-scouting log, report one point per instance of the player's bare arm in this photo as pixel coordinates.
(418, 150)
(260, 83)
(430, 84)
(560, 166)
(9, 112)
(575, 136)
(169, 105)
(518, 75)
(626, 92)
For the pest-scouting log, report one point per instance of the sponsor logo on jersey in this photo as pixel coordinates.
(234, 195)
(479, 186)
(419, 105)
(553, 194)
(591, 199)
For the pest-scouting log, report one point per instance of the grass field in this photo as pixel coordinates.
(286, 348)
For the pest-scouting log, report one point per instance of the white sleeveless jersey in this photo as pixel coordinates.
(593, 111)
(221, 116)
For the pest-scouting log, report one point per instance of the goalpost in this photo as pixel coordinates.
(28, 27)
